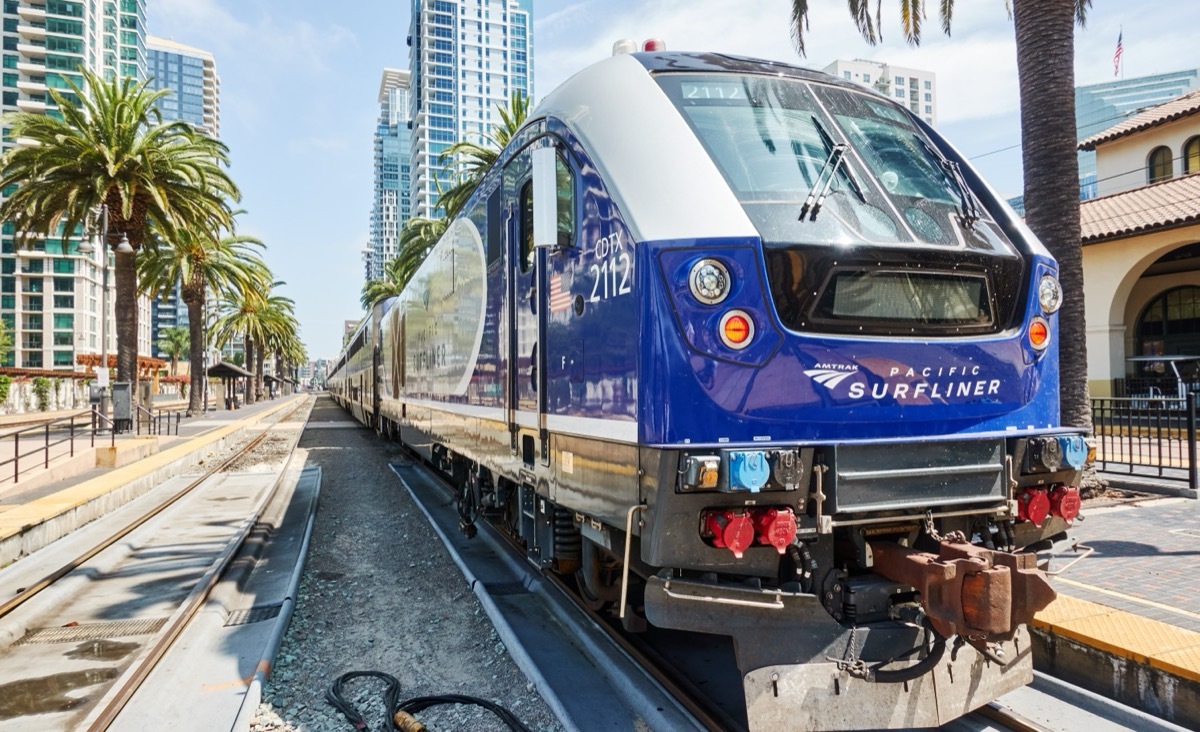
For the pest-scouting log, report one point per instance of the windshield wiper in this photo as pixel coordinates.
(970, 210)
(829, 171)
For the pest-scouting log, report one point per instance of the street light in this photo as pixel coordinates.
(86, 247)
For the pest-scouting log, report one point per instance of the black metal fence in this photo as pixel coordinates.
(1147, 436)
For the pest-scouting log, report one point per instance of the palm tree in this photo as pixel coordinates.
(174, 341)
(112, 148)
(201, 263)
(471, 160)
(1045, 31)
(255, 315)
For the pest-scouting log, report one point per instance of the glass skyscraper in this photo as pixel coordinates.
(190, 74)
(390, 208)
(466, 57)
(50, 294)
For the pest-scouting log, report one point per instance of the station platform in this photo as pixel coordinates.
(1126, 623)
(34, 513)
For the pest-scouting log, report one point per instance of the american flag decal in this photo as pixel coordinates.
(560, 300)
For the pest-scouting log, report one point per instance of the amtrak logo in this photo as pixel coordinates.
(829, 378)
(908, 384)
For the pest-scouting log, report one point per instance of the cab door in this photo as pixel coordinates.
(527, 322)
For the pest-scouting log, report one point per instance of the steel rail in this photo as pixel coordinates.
(1001, 714)
(30, 592)
(116, 699)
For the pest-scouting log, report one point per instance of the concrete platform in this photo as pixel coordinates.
(53, 511)
(1126, 624)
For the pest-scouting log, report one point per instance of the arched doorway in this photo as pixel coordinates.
(1170, 323)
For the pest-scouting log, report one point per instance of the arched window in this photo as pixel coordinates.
(1191, 155)
(1170, 324)
(1160, 165)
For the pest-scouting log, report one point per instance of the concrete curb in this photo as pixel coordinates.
(262, 671)
(25, 529)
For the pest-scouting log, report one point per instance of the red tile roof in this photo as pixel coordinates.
(1165, 205)
(1176, 108)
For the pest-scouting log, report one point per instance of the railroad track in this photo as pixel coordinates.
(1055, 706)
(98, 565)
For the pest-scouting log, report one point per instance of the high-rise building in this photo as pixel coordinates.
(1100, 106)
(50, 294)
(466, 57)
(390, 208)
(914, 88)
(190, 74)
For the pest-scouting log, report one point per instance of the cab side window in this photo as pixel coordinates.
(526, 237)
(565, 186)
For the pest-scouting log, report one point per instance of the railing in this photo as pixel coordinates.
(155, 423)
(1153, 387)
(39, 439)
(1147, 436)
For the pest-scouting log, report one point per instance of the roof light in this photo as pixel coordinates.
(654, 44)
(709, 281)
(1039, 333)
(737, 329)
(1049, 294)
(625, 45)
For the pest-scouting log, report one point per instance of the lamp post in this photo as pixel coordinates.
(86, 247)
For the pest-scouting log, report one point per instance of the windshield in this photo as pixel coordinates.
(771, 137)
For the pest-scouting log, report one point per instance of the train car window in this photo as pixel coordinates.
(495, 227)
(528, 252)
(565, 184)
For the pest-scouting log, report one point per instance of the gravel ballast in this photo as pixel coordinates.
(380, 593)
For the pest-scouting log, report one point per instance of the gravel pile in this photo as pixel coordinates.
(380, 593)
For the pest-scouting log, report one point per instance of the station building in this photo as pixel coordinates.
(1141, 242)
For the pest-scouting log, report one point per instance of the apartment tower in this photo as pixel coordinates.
(50, 295)
(190, 75)
(390, 207)
(914, 88)
(465, 58)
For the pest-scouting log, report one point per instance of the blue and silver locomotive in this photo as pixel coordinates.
(751, 351)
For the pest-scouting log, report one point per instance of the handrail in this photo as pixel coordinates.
(46, 443)
(97, 416)
(154, 422)
(150, 423)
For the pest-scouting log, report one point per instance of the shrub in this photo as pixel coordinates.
(41, 390)
(5, 382)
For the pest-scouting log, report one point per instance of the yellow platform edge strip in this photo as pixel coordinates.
(1124, 634)
(18, 519)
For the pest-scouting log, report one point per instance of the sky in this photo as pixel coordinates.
(300, 83)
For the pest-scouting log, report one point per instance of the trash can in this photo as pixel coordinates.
(122, 406)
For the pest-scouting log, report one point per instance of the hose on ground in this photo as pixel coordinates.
(401, 715)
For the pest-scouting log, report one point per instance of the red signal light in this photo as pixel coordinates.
(654, 44)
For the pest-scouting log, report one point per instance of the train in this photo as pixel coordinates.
(749, 350)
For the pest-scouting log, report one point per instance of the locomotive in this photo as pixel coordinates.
(750, 351)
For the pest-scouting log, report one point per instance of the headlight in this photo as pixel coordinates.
(709, 281)
(1049, 294)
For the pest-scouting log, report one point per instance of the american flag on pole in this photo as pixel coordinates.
(1117, 55)
(559, 299)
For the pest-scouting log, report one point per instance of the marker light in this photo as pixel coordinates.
(1039, 333)
(1049, 294)
(654, 44)
(625, 45)
(709, 281)
(737, 329)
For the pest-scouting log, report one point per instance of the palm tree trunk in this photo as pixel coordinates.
(248, 344)
(196, 356)
(1045, 31)
(127, 319)
(258, 373)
